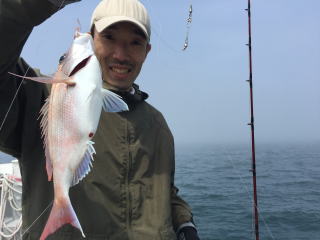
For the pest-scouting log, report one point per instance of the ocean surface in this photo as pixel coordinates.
(215, 180)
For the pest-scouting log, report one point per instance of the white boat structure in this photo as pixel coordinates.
(10, 201)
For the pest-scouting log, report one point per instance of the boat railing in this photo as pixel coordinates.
(10, 202)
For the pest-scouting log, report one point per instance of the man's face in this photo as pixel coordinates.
(121, 50)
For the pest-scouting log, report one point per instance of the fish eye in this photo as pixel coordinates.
(63, 57)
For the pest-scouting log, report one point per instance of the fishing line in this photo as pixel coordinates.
(186, 44)
(160, 36)
(168, 45)
(14, 98)
(249, 194)
(16, 93)
(2, 124)
(157, 22)
(31, 225)
(244, 185)
(256, 209)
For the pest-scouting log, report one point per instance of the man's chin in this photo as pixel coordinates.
(117, 86)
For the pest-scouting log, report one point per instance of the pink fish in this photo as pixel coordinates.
(70, 118)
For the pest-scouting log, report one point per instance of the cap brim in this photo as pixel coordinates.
(108, 21)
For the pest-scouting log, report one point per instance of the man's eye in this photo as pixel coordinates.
(137, 42)
(63, 57)
(108, 36)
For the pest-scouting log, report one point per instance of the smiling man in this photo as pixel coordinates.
(130, 191)
(121, 50)
(121, 32)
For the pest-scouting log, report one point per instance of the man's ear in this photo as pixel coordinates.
(148, 48)
(92, 30)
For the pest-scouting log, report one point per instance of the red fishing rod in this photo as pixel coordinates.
(253, 169)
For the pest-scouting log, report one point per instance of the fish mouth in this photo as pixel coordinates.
(81, 65)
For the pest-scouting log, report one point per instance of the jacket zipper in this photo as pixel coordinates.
(129, 210)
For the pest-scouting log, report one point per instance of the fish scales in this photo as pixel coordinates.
(70, 118)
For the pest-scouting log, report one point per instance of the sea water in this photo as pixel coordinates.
(216, 182)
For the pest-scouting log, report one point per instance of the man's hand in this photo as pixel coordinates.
(188, 233)
(62, 3)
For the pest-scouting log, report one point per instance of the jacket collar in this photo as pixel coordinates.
(134, 96)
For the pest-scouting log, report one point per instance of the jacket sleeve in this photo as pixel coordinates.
(181, 211)
(17, 19)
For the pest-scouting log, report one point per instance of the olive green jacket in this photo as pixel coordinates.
(129, 193)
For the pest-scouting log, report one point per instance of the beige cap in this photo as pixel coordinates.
(109, 12)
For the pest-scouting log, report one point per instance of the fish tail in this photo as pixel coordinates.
(59, 216)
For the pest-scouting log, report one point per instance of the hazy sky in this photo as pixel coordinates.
(202, 92)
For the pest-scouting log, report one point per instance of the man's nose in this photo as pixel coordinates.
(120, 52)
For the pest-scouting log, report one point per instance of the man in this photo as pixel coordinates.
(130, 192)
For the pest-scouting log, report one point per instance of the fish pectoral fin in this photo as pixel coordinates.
(113, 102)
(86, 164)
(47, 80)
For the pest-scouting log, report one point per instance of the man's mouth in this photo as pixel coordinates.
(120, 70)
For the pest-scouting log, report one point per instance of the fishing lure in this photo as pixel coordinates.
(189, 21)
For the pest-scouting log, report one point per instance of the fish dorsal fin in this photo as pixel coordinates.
(85, 165)
(113, 102)
(44, 112)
